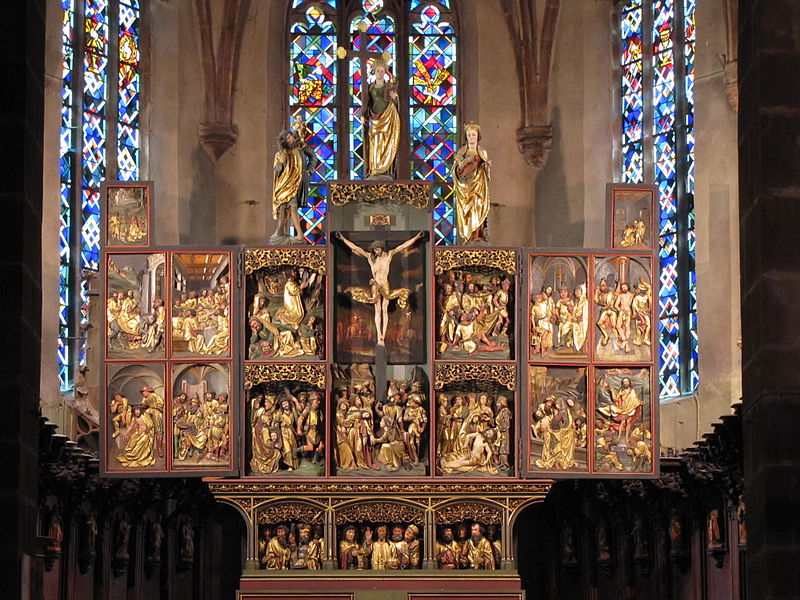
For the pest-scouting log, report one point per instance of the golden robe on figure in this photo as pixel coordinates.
(286, 184)
(384, 131)
(138, 451)
(292, 311)
(471, 187)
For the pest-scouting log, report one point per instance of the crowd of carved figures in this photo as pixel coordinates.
(378, 547)
(286, 429)
(391, 547)
(286, 315)
(201, 321)
(129, 325)
(387, 435)
(475, 314)
(139, 427)
(291, 546)
(623, 314)
(201, 428)
(559, 324)
(473, 433)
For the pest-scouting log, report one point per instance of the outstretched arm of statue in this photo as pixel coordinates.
(407, 244)
(356, 249)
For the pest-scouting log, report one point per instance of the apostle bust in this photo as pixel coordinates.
(471, 175)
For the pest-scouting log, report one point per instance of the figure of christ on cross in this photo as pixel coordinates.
(379, 292)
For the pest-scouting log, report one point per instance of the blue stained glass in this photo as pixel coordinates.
(380, 38)
(415, 4)
(298, 3)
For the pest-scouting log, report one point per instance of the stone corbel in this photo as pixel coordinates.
(730, 60)
(220, 60)
(533, 34)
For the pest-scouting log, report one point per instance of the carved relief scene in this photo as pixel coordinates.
(468, 537)
(380, 297)
(385, 434)
(557, 419)
(135, 433)
(632, 217)
(201, 412)
(475, 308)
(285, 298)
(380, 536)
(286, 419)
(127, 210)
(623, 423)
(623, 307)
(290, 536)
(558, 308)
(474, 420)
(135, 310)
(201, 301)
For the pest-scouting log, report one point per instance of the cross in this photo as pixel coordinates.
(365, 56)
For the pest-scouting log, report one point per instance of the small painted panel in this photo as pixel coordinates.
(135, 311)
(201, 413)
(201, 301)
(127, 210)
(134, 425)
(558, 309)
(623, 301)
(623, 421)
(631, 211)
(558, 420)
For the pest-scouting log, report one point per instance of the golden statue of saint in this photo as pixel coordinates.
(383, 121)
(471, 175)
(139, 441)
(292, 167)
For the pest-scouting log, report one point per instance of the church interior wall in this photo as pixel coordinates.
(717, 222)
(570, 189)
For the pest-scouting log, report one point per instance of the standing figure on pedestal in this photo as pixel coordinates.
(383, 120)
(379, 292)
(293, 164)
(471, 175)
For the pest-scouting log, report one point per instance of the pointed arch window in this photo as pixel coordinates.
(100, 137)
(419, 38)
(657, 40)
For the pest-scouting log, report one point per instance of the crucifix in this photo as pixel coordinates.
(365, 56)
(380, 292)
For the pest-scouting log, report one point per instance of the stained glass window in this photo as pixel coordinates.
(426, 77)
(658, 146)
(434, 122)
(100, 89)
(313, 98)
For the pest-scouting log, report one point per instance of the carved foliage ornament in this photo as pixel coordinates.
(476, 511)
(311, 258)
(532, 489)
(505, 260)
(309, 373)
(505, 375)
(415, 193)
(288, 511)
(380, 512)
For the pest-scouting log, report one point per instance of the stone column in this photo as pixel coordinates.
(769, 179)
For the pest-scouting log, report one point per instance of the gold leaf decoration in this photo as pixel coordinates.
(415, 193)
(380, 512)
(450, 258)
(311, 258)
(308, 373)
(475, 511)
(505, 375)
(283, 512)
(266, 490)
